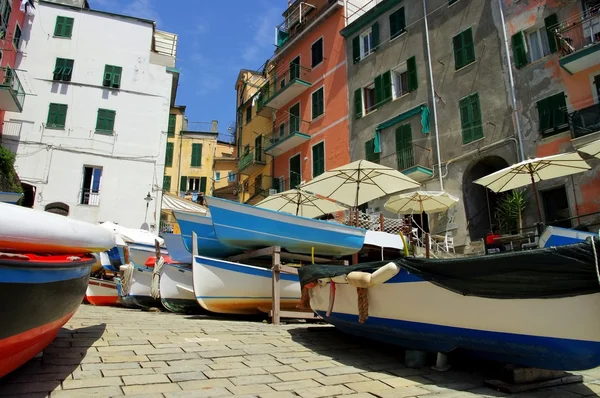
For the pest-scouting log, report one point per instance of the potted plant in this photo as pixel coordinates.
(509, 211)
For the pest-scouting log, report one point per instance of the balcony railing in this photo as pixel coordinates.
(90, 197)
(415, 161)
(579, 31)
(585, 121)
(286, 135)
(252, 157)
(12, 94)
(283, 85)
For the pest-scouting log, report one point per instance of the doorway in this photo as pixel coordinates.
(556, 207)
(295, 172)
(295, 119)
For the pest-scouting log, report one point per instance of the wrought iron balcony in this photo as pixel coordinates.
(286, 135)
(283, 86)
(415, 162)
(578, 39)
(585, 121)
(252, 160)
(12, 94)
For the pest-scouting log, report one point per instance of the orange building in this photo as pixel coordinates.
(306, 94)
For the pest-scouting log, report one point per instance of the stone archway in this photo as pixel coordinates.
(479, 205)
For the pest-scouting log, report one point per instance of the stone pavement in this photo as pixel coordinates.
(107, 352)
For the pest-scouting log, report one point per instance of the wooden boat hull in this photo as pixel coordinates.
(40, 296)
(44, 232)
(177, 289)
(102, 292)
(556, 333)
(233, 288)
(249, 227)
(208, 244)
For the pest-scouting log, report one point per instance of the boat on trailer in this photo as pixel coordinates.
(537, 308)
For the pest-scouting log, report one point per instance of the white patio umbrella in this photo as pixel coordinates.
(593, 148)
(300, 203)
(533, 170)
(421, 202)
(359, 182)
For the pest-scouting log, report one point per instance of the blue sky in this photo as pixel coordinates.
(216, 40)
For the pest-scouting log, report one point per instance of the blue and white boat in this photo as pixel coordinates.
(208, 244)
(177, 288)
(248, 227)
(556, 236)
(177, 250)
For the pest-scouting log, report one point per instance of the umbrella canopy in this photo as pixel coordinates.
(420, 201)
(359, 182)
(300, 203)
(533, 170)
(593, 148)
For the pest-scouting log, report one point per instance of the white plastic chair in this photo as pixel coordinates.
(449, 242)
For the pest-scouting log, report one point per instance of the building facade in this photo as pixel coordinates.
(93, 137)
(225, 171)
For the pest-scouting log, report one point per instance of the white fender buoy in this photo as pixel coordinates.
(384, 273)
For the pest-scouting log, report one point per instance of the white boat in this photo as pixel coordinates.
(139, 291)
(177, 288)
(102, 292)
(233, 288)
(139, 253)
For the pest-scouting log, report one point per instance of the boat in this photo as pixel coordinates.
(139, 292)
(44, 232)
(208, 244)
(139, 253)
(124, 300)
(537, 308)
(556, 236)
(40, 294)
(102, 292)
(177, 288)
(10, 197)
(141, 244)
(233, 288)
(248, 227)
(176, 249)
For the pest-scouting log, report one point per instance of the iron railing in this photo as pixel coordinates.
(11, 81)
(90, 197)
(579, 31)
(585, 121)
(285, 128)
(280, 80)
(414, 155)
(250, 157)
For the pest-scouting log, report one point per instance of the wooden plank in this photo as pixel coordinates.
(288, 270)
(303, 257)
(268, 251)
(296, 314)
(276, 302)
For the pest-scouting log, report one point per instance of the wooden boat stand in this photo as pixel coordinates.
(276, 256)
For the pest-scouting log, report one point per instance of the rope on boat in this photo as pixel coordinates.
(155, 285)
(595, 259)
(331, 297)
(126, 278)
(363, 304)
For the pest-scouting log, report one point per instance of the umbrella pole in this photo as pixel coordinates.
(537, 199)
(298, 204)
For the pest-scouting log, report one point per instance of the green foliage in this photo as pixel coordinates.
(509, 211)
(9, 182)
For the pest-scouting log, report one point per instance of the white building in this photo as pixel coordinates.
(94, 129)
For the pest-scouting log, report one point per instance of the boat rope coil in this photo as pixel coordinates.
(305, 297)
(363, 304)
(126, 278)
(155, 285)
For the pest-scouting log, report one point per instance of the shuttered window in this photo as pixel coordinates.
(397, 23)
(358, 103)
(105, 121)
(196, 155)
(470, 118)
(169, 155)
(356, 49)
(404, 147)
(518, 47)
(63, 27)
(375, 39)
(183, 184)
(413, 79)
(112, 76)
(370, 154)
(318, 103)
(57, 116)
(383, 89)
(553, 116)
(167, 183)
(63, 69)
(316, 51)
(171, 128)
(17, 38)
(551, 23)
(318, 159)
(203, 184)
(464, 49)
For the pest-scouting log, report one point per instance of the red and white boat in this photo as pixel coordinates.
(102, 292)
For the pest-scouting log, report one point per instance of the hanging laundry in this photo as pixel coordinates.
(27, 6)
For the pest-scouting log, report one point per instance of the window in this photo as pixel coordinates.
(258, 148)
(370, 154)
(358, 106)
(112, 76)
(318, 159)
(405, 78)
(552, 112)
(404, 147)
(397, 23)
(278, 184)
(318, 103)
(369, 98)
(249, 113)
(537, 44)
(171, 128)
(196, 155)
(294, 70)
(63, 69)
(295, 171)
(470, 118)
(17, 37)
(365, 43)
(169, 155)
(196, 184)
(218, 176)
(57, 115)
(5, 17)
(316, 51)
(167, 183)
(183, 184)
(541, 42)
(281, 131)
(231, 176)
(464, 49)
(105, 121)
(450, 2)
(383, 89)
(556, 207)
(90, 189)
(64, 27)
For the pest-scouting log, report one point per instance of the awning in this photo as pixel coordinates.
(422, 109)
(172, 202)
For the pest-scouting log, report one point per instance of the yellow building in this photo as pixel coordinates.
(254, 166)
(225, 171)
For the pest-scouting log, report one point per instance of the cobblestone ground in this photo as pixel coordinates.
(108, 352)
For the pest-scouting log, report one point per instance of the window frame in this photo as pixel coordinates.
(465, 59)
(17, 46)
(375, 157)
(367, 33)
(57, 126)
(312, 163)
(171, 132)
(112, 76)
(168, 185)
(542, 36)
(312, 103)
(312, 61)
(474, 129)
(395, 74)
(106, 112)
(63, 64)
(403, 28)
(62, 33)
(198, 157)
(299, 156)
(366, 111)
(91, 188)
(554, 128)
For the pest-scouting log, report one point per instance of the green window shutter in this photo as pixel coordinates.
(169, 155)
(469, 46)
(61, 116)
(413, 80)
(370, 154)
(476, 117)
(101, 120)
(108, 74)
(183, 184)
(116, 78)
(318, 159)
(358, 103)
(457, 44)
(378, 91)
(544, 114)
(167, 183)
(551, 22)
(356, 49)
(387, 86)
(375, 33)
(317, 103)
(59, 27)
(17, 37)
(404, 147)
(465, 120)
(203, 184)
(171, 128)
(52, 111)
(58, 69)
(397, 23)
(68, 29)
(560, 110)
(518, 46)
(68, 70)
(196, 155)
(110, 120)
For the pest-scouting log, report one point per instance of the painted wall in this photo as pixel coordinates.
(184, 166)
(332, 126)
(224, 164)
(132, 158)
(173, 171)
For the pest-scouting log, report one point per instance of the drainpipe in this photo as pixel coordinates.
(512, 85)
(345, 13)
(435, 120)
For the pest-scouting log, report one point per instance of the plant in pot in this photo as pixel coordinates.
(509, 211)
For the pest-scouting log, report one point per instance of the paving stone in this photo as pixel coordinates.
(214, 392)
(279, 369)
(339, 370)
(291, 376)
(262, 364)
(362, 395)
(118, 348)
(341, 379)
(402, 392)
(314, 365)
(107, 366)
(406, 382)
(323, 391)
(190, 362)
(151, 388)
(154, 364)
(378, 375)
(98, 382)
(129, 358)
(255, 379)
(111, 391)
(145, 379)
(294, 385)
(368, 386)
(127, 372)
(86, 374)
(229, 359)
(250, 389)
(220, 353)
(279, 394)
(215, 374)
(205, 384)
(227, 365)
(173, 357)
(186, 376)
(181, 369)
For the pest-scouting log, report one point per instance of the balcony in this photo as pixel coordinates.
(585, 123)
(252, 161)
(415, 162)
(282, 87)
(578, 40)
(286, 135)
(257, 189)
(12, 95)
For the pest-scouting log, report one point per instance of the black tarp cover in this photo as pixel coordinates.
(553, 272)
